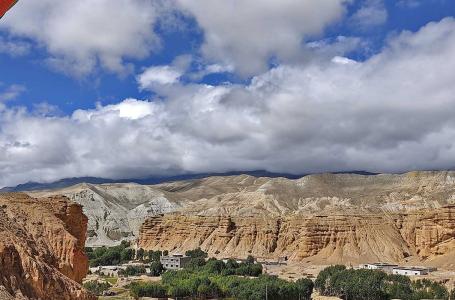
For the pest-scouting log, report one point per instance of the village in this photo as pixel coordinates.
(145, 269)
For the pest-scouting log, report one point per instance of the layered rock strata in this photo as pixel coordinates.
(422, 235)
(42, 248)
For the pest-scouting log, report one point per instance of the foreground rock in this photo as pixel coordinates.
(42, 248)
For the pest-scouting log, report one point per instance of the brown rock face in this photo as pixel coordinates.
(42, 248)
(423, 235)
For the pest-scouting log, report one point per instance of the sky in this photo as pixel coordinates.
(137, 88)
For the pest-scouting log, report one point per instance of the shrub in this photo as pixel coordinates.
(148, 289)
(96, 287)
(133, 271)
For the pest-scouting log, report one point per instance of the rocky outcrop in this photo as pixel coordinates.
(115, 211)
(42, 248)
(324, 239)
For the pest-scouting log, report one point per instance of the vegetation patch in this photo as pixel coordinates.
(353, 284)
(207, 279)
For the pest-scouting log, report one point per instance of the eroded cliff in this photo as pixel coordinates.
(42, 248)
(424, 236)
(116, 211)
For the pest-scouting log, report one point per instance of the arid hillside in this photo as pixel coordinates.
(325, 218)
(115, 211)
(420, 237)
(42, 248)
(338, 217)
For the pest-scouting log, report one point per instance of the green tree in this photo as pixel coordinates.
(133, 271)
(126, 255)
(305, 288)
(125, 244)
(140, 254)
(148, 289)
(156, 268)
(154, 255)
(214, 266)
(196, 253)
(250, 259)
(232, 264)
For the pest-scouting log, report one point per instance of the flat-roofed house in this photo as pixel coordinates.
(175, 261)
(386, 267)
(410, 271)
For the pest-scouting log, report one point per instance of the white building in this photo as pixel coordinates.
(410, 271)
(386, 267)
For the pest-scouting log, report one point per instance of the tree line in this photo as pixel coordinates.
(212, 278)
(350, 284)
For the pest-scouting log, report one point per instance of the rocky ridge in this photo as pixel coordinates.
(419, 237)
(326, 218)
(42, 248)
(116, 211)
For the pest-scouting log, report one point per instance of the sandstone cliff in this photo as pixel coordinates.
(42, 248)
(115, 211)
(422, 236)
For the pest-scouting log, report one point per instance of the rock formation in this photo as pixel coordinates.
(42, 248)
(115, 211)
(331, 217)
(422, 236)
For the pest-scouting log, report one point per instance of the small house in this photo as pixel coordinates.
(410, 271)
(175, 261)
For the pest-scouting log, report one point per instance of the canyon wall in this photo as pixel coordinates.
(42, 248)
(116, 211)
(424, 236)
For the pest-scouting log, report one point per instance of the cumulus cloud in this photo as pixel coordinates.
(80, 35)
(392, 112)
(247, 34)
(371, 13)
(161, 75)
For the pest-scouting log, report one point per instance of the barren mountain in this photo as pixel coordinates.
(354, 215)
(323, 218)
(420, 237)
(42, 248)
(114, 211)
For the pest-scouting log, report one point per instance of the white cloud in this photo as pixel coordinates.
(80, 35)
(392, 112)
(11, 92)
(162, 75)
(14, 48)
(247, 34)
(371, 13)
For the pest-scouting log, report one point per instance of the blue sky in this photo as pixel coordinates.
(43, 84)
(166, 70)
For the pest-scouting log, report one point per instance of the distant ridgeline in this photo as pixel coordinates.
(66, 182)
